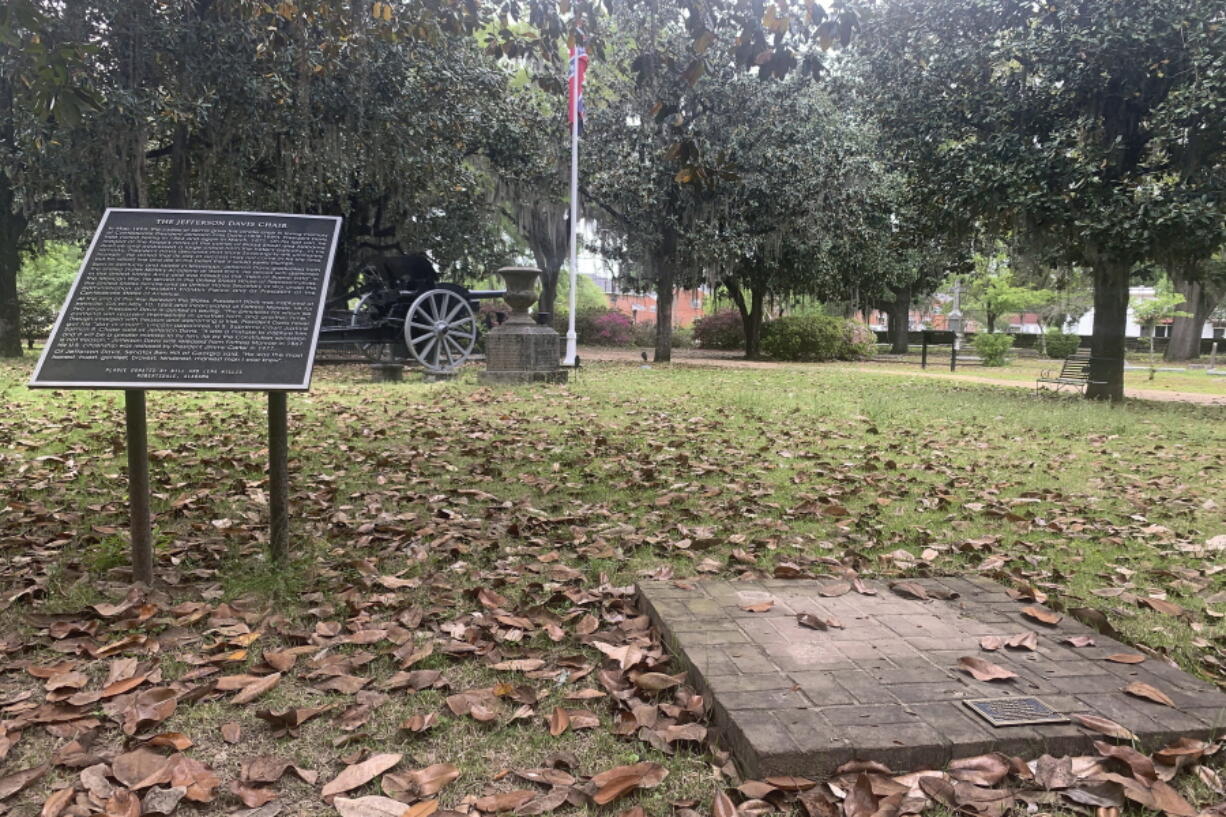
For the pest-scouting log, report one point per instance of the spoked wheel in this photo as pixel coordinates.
(368, 313)
(441, 328)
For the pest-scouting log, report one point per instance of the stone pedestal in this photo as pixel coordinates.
(438, 377)
(520, 350)
(386, 372)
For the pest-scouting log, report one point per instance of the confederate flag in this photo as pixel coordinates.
(578, 64)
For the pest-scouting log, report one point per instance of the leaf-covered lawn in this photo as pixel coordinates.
(456, 629)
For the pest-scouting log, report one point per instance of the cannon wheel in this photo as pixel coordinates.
(368, 313)
(440, 328)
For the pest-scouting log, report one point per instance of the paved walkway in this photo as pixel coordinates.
(727, 360)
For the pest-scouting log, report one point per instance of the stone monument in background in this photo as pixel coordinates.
(521, 350)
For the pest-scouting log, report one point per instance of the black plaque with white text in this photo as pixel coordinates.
(186, 299)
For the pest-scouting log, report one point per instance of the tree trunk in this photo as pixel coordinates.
(1200, 299)
(738, 299)
(752, 315)
(898, 316)
(991, 322)
(547, 228)
(550, 265)
(176, 192)
(549, 290)
(664, 261)
(753, 332)
(1110, 321)
(12, 225)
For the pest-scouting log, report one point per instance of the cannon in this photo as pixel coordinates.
(402, 312)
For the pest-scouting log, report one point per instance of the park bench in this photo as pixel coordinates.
(1075, 373)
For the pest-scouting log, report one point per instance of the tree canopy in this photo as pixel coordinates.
(1092, 131)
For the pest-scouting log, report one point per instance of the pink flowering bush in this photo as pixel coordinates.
(611, 328)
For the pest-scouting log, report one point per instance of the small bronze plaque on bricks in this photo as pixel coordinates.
(1014, 711)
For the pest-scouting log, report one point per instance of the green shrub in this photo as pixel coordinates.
(721, 330)
(1060, 345)
(683, 338)
(645, 336)
(807, 337)
(861, 341)
(993, 348)
(37, 315)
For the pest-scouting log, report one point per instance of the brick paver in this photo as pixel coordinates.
(792, 700)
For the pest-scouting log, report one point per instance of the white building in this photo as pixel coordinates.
(1085, 326)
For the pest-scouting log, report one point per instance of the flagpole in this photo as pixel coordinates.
(571, 336)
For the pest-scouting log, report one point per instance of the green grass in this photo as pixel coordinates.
(1026, 369)
(621, 474)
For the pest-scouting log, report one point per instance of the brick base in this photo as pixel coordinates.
(791, 700)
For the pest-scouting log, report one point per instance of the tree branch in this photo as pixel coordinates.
(610, 210)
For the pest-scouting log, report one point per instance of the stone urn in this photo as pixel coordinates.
(521, 350)
(521, 292)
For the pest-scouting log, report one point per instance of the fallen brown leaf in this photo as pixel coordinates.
(789, 783)
(149, 708)
(504, 801)
(375, 806)
(1163, 606)
(1152, 693)
(983, 770)
(57, 802)
(1104, 725)
(558, 721)
(834, 589)
(359, 774)
(1142, 767)
(656, 681)
(815, 622)
(252, 796)
(254, 690)
(544, 803)
(861, 801)
(132, 767)
(984, 670)
(431, 779)
(123, 803)
(1042, 616)
(911, 590)
(621, 780)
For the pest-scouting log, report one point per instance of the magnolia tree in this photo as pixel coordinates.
(805, 211)
(376, 113)
(1095, 131)
(658, 168)
(1202, 290)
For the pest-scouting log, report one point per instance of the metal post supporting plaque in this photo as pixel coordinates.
(138, 486)
(278, 476)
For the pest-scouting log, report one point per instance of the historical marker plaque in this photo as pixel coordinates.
(1014, 711)
(188, 299)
